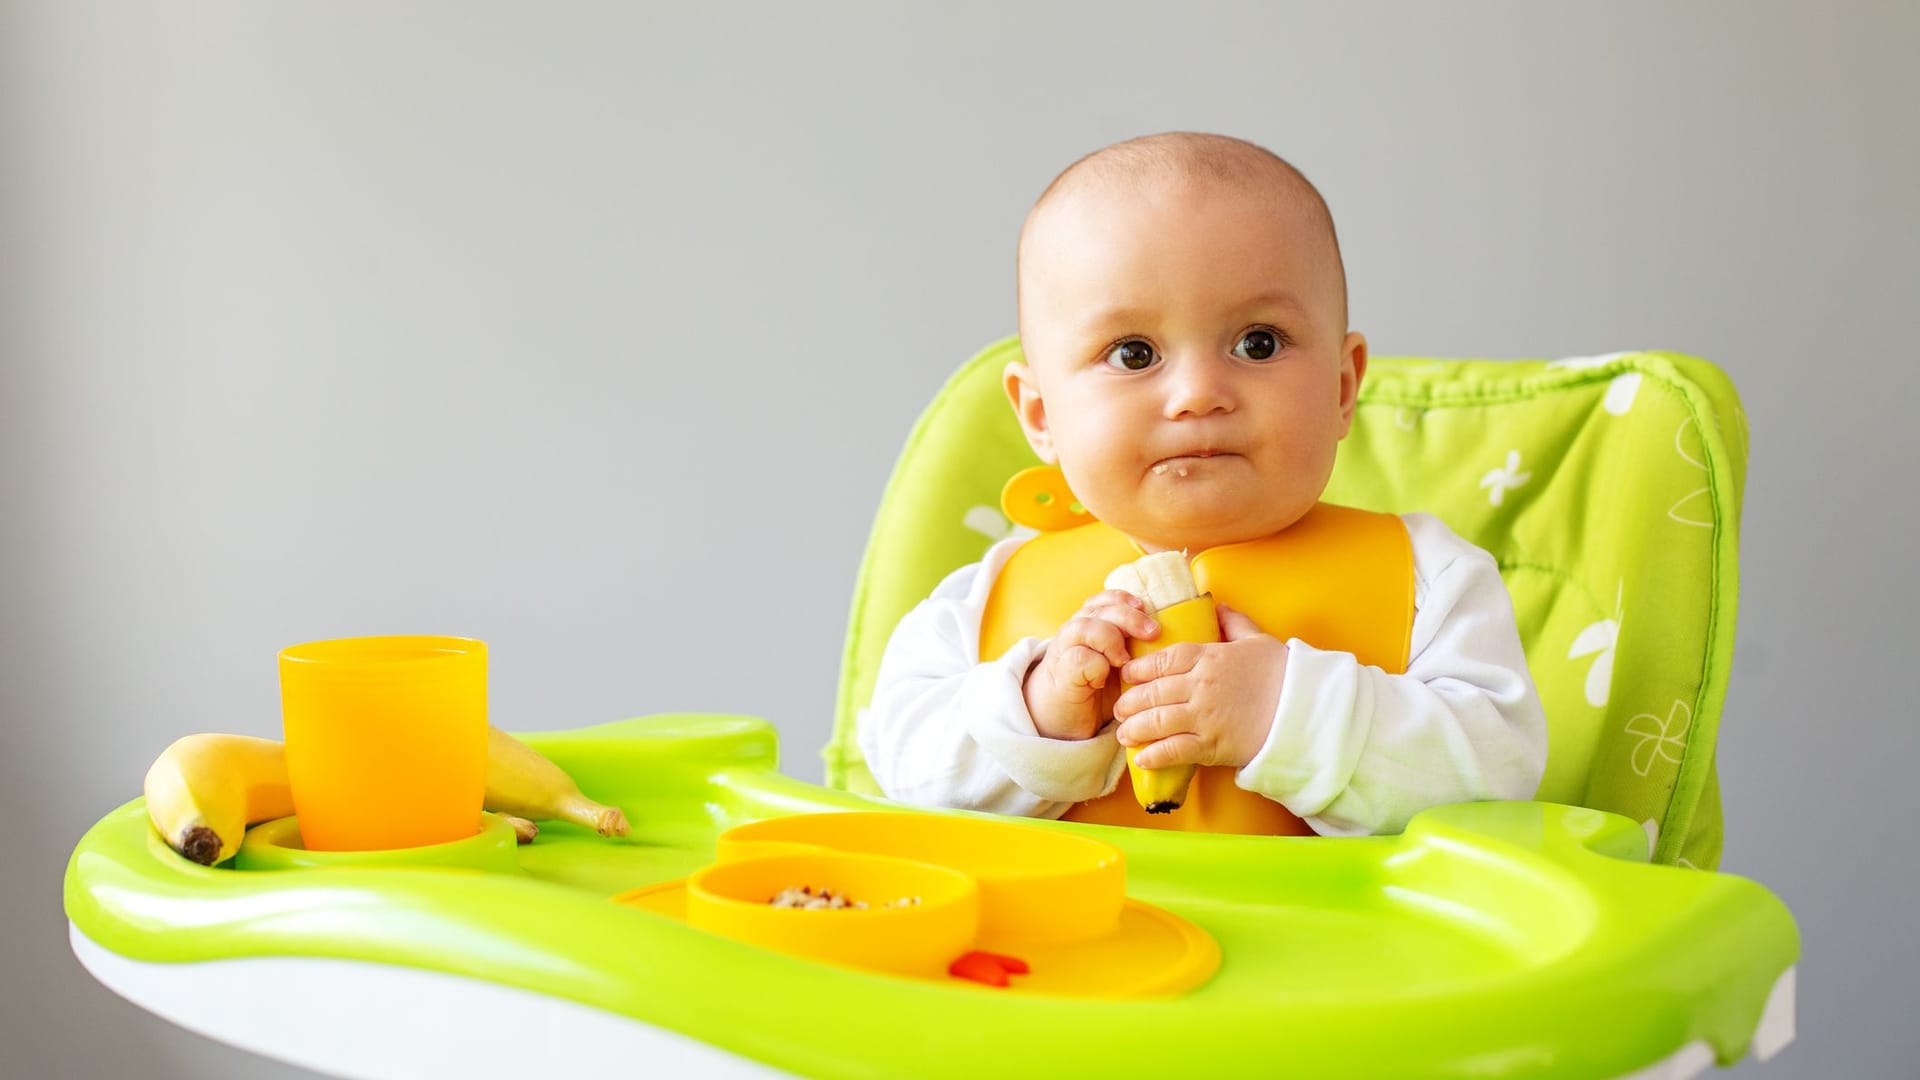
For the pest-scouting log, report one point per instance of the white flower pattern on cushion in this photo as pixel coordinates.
(1499, 481)
(1620, 393)
(988, 522)
(1660, 740)
(1599, 637)
(1652, 828)
(1696, 506)
(1587, 361)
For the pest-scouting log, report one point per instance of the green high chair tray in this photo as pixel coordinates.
(1511, 939)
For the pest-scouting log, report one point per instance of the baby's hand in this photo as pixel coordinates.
(1204, 704)
(1071, 691)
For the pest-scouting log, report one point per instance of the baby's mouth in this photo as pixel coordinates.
(1182, 464)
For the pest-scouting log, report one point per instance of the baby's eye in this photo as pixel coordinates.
(1132, 355)
(1258, 344)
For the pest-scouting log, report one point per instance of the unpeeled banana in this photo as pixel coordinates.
(1165, 582)
(205, 789)
(521, 781)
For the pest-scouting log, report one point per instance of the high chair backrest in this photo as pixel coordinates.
(1608, 489)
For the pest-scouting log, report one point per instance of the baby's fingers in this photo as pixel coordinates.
(1123, 609)
(1155, 723)
(1110, 598)
(1183, 749)
(1132, 621)
(1081, 666)
(1099, 634)
(1172, 660)
(1147, 697)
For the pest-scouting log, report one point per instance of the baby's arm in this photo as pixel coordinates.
(1356, 750)
(946, 729)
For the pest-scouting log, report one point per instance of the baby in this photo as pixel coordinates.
(1189, 368)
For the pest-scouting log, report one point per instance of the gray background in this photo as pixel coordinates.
(537, 323)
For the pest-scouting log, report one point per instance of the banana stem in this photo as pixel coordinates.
(605, 820)
(200, 844)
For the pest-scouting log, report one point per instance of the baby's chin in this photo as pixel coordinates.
(1196, 525)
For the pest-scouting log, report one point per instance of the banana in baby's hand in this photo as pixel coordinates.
(1162, 579)
(1165, 582)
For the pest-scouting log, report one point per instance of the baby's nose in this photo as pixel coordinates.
(1198, 385)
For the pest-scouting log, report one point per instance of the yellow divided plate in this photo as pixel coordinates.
(1054, 900)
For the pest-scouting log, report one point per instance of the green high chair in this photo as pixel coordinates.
(1582, 934)
(1607, 488)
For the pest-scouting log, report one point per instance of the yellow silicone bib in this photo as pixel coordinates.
(1339, 579)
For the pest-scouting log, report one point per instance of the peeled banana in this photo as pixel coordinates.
(1165, 582)
(204, 790)
(1162, 579)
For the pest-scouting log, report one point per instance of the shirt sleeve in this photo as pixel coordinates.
(1356, 750)
(946, 729)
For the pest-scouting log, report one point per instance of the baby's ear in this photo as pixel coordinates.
(1023, 390)
(1353, 368)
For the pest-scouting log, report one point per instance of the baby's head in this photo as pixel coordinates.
(1183, 310)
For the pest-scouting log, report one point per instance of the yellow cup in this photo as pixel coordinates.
(386, 740)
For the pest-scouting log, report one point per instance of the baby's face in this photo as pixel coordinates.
(1188, 363)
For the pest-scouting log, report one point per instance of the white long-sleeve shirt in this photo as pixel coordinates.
(1352, 750)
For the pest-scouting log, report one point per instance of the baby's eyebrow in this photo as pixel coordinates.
(1121, 317)
(1278, 298)
(1115, 319)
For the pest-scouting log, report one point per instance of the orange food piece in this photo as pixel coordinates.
(1013, 965)
(989, 968)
